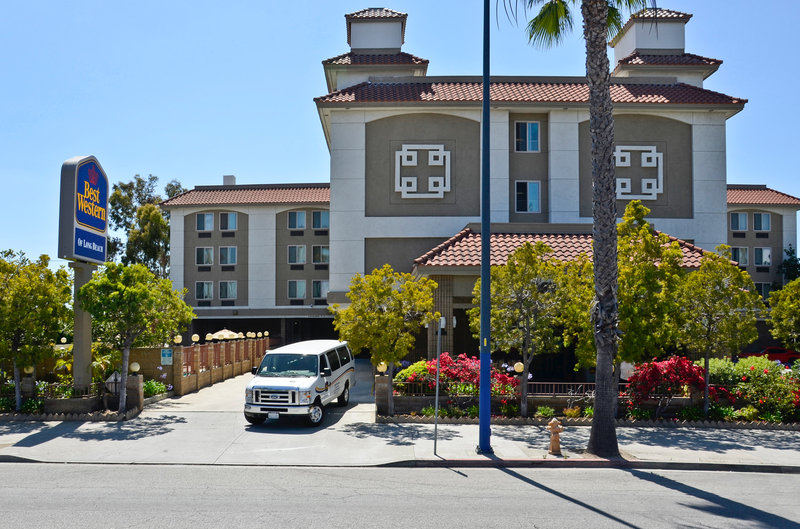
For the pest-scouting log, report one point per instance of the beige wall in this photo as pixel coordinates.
(384, 137)
(192, 239)
(672, 138)
(529, 166)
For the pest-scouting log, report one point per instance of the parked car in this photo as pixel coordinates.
(300, 379)
(776, 354)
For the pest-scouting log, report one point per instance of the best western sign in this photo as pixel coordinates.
(83, 216)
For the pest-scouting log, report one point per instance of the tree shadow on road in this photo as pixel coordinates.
(717, 505)
(397, 434)
(710, 440)
(138, 428)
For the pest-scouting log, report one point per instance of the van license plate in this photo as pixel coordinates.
(273, 415)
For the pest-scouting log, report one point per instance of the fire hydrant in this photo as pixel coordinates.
(555, 429)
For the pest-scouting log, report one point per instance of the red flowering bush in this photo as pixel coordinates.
(768, 387)
(460, 375)
(662, 381)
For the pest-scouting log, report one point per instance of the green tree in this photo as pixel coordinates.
(720, 307)
(785, 314)
(133, 308)
(148, 240)
(387, 310)
(601, 20)
(125, 203)
(650, 276)
(525, 306)
(790, 266)
(34, 309)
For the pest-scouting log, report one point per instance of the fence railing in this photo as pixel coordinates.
(578, 391)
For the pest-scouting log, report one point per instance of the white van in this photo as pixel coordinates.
(300, 379)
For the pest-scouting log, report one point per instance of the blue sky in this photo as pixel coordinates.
(194, 90)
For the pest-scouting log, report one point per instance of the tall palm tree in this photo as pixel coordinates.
(601, 19)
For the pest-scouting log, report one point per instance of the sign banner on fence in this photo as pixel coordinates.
(166, 357)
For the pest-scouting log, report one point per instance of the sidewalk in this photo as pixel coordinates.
(208, 428)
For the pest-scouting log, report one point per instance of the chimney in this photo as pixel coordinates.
(228, 180)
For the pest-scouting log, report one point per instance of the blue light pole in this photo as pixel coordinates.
(484, 398)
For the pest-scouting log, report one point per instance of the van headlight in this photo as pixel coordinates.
(304, 397)
(248, 395)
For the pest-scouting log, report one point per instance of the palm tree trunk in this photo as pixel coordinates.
(603, 437)
(123, 390)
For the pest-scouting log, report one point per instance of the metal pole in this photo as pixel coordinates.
(436, 404)
(484, 398)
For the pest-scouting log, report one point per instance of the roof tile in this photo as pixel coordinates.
(682, 59)
(432, 91)
(252, 194)
(351, 58)
(464, 248)
(751, 194)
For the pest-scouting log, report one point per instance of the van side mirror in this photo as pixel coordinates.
(254, 370)
(326, 372)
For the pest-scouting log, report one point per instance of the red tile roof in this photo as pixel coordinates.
(464, 248)
(683, 59)
(252, 194)
(376, 13)
(430, 90)
(370, 59)
(651, 15)
(750, 194)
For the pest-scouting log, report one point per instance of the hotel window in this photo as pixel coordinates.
(297, 289)
(764, 289)
(204, 256)
(761, 221)
(227, 221)
(320, 254)
(526, 137)
(297, 220)
(738, 221)
(205, 221)
(227, 290)
(739, 255)
(227, 255)
(297, 254)
(762, 256)
(321, 220)
(319, 288)
(204, 290)
(527, 197)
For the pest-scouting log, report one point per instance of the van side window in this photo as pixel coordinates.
(344, 354)
(333, 360)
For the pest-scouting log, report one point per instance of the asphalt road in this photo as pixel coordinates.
(143, 496)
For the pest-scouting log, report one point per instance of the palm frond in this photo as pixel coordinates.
(551, 24)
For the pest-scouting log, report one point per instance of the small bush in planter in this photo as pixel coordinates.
(572, 413)
(153, 387)
(588, 412)
(691, 413)
(545, 412)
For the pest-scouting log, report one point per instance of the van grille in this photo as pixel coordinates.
(274, 396)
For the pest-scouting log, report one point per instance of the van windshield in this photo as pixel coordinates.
(288, 365)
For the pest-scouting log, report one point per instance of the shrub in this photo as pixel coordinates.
(154, 387)
(588, 411)
(573, 412)
(664, 381)
(691, 413)
(428, 411)
(32, 406)
(638, 413)
(748, 413)
(472, 411)
(7, 404)
(508, 409)
(545, 412)
(721, 372)
(717, 412)
(768, 387)
(460, 375)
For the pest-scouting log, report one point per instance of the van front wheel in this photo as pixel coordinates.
(315, 414)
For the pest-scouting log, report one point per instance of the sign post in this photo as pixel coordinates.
(82, 239)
